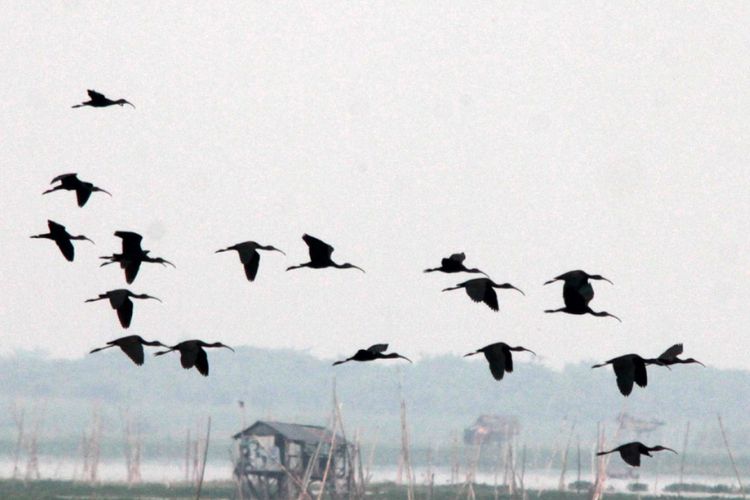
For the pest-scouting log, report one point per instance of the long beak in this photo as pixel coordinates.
(104, 191)
(88, 239)
(152, 297)
(550, 281)
(605, 279)
(165, 261)
(279, 250)
(528, 350)
(470, 354)
(222, 250)
(228, 347)
(126, 102)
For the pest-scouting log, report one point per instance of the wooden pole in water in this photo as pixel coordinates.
(682, 458)
(731, 457)
(203, 464)
(561, 482)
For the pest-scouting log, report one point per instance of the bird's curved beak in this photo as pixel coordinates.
(529, 350)
(470, 354)
(359, 268)
(152, 297)
(223, 345)
(127, 102)
(165, 261)
(548, 282)
(88, 239)
(508, 285)
(605, 279)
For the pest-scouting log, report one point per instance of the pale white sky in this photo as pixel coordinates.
(537, 138)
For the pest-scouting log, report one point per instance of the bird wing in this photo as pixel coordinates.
(378, 348)
(131, 242)
(83, 195)
(319, 250)
(631, 454)
(188, 357)
(94, 95)
(641, 376)
(125, 313)
(508, 360)
(672, 352)
(577, 297)
(251, 263)
(201, 362)
(66, 247)
(625, 372)
(131, 270)
(62, 176)
(496, 359)
(134, 350)
(54, 226)
(458, 257)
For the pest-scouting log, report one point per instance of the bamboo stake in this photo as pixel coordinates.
(405, 452)
(682, 458)
(203, 464)
(561, 482)
(330, 456)
(731, 457)
(18, 420)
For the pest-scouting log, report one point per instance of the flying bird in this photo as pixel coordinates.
(631, 452)
(249, 256)
(628, 369)
(120, 301)
(97, 100)
(320, 255)
(482, 290)
(132, 345)
(193, 355)
(71, 182)
(62, 238)
(132, 255)
(499, 356)
(578, 292)
(372, 353)
(454, 264)
(669, 357)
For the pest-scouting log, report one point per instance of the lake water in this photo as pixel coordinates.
(166, 471)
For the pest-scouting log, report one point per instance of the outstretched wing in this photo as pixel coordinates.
(94, 95)
(125, 312)
(631, 454)
(131, 270)
(319, 250)
(134, 351)
(378, 348)
(201, 362)
(250, 263)
(131, 242)
(671, 353)
(66, 247)
(458, 257)
(496, 358)
(63, 176)
(83, 195)
(641, 376)
(188, 357)
(625, 373)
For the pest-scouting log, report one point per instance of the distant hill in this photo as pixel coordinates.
(443, 395)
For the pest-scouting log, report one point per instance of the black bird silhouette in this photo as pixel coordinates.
(132, 345)
(631, 452)
(132, 255)
(62, 238)
(192, 354)
(499, 357)
(320, 255)
(482, 290)
(454, 264)
(669, 357)
(249, 256)
(98, 100)
(120, 301)
(578, 292)
(71, 182)
(371, 354)
(628, 369)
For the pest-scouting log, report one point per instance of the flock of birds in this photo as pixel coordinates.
(577, 293)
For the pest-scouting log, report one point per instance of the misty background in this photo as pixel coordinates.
(536, 137)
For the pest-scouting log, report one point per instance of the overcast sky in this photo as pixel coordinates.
(538, 138)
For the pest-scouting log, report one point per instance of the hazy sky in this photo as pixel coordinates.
(538, 138)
